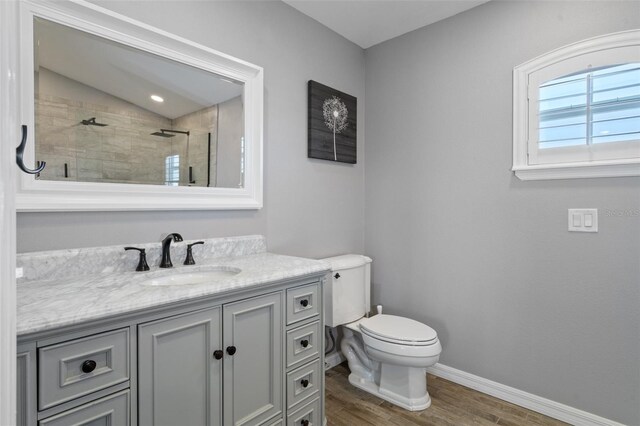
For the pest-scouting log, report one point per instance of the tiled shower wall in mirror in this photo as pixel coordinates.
(125, 151)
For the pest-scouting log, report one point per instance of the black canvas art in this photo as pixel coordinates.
(332, 124)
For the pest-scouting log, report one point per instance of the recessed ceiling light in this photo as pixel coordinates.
(157, 98)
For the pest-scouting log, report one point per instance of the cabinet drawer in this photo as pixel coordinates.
(303, 382)
(303, 343)
(110, 410)
(75, 368)
(302, 302)
(309, 415)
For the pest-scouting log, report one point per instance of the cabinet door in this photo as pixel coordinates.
(26, 386)
(253, 385)
(179, 379)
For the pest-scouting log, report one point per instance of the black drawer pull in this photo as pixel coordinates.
(304, 303)
(231, 350)
(88, 366)
(304, 343)
(217, 354)
(304, 383)
(336, 276)
(304, 422)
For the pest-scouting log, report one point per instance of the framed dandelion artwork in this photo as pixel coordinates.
(332, 124)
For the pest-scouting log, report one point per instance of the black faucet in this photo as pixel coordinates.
(189, 259)
(142, 262)
(166, 249)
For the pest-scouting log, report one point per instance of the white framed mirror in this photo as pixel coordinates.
(130, 117)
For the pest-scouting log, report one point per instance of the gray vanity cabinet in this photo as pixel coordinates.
(251, 358)
(188, 368)
(179, 379)
(253, 363)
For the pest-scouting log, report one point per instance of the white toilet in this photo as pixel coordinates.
(387, 354)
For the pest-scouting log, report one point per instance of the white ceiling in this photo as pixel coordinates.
(369, 22)
(127, 73)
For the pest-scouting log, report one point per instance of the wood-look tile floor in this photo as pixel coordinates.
(451, 404)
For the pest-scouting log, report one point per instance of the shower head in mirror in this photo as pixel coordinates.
(92, 122)
(168, 133)
(163, 133)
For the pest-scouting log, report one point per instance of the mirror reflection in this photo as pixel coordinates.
(105, 112)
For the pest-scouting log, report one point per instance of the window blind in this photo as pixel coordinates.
(590, 107)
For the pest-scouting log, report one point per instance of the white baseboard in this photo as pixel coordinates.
(532, 402)
(333, 359)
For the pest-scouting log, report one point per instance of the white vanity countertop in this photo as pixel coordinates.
(49, 304)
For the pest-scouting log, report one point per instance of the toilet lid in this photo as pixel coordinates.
(398, 329)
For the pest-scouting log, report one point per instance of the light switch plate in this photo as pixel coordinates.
(583, 220)
(19, 272)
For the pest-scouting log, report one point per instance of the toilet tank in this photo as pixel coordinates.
(347, 294)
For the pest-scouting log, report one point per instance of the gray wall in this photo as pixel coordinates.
(312, 208)
(457, 241)
(461, 244)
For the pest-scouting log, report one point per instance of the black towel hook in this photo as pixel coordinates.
(20, 154)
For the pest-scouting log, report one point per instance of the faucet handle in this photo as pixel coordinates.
(189, 259)
(142, 263)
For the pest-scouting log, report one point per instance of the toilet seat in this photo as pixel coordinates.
(399, 341)
(398, 330)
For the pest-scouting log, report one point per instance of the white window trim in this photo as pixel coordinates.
(569, 170)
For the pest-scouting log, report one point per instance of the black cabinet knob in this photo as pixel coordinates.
(304, 383)
(231, 350)
(217, 354)
(304, 343)
(304, 422)
(336, 276)
(304, 303)
(88, 366)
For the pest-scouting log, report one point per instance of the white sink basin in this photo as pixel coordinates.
(202, 276)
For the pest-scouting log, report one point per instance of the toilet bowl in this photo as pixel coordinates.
(387, 354)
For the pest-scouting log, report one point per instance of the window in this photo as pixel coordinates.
(577, 110)
(172, 170)
(598, 106)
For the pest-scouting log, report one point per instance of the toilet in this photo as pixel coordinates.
(387, 354)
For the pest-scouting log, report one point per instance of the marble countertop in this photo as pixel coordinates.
(53, 303)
